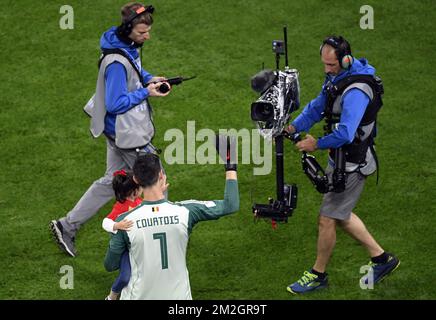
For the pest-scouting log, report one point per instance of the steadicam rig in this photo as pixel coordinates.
(271, 112)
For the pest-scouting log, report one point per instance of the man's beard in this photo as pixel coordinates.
(331, 76)
(137, 44)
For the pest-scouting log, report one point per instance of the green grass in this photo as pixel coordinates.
(48, 159)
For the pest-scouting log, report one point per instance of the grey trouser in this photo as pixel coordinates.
(100, 192)
(340, 205)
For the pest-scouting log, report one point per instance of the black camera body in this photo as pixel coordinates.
(164, 88)
(279, 98)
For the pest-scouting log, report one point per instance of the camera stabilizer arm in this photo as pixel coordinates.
(316, 173)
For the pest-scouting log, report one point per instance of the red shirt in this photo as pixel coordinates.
(120, 208)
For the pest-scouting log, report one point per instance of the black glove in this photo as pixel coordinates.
(226, 147)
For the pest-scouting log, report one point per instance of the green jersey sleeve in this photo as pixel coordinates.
(212, 210)
(118, 244)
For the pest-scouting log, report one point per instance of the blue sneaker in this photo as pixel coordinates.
(381, 270)
(308, 282)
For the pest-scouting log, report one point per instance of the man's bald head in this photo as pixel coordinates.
(330, 60)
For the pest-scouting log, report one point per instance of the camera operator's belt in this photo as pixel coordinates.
(148, 148)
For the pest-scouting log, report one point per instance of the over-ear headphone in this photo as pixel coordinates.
(126, 27)
(342, 50)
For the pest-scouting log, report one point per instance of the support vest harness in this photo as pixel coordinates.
(355, 152)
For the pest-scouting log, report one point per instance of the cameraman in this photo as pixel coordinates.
(355, 103)
(119, 109)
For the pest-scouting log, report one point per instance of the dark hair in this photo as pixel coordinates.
(130, 8)
(124, 186)
(146, 169)
(340, 44)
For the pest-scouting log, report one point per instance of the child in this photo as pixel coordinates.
(127, 195)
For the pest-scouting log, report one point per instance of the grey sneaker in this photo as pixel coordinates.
(64, 242)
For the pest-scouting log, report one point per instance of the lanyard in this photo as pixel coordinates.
(138, 67)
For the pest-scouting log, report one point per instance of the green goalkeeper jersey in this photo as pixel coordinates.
(157, 244)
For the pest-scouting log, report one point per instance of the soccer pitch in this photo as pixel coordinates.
(48, 159)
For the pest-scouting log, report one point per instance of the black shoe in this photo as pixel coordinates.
(64, 242)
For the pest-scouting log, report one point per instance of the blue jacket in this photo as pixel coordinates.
(354, 104)
(117, 98)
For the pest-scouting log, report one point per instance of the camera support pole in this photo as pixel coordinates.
(277, 61)
(279, 139)
(285, 34)
(279, 168)
(282, 208)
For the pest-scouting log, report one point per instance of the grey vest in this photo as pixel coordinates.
(369, 165)
(133, 128)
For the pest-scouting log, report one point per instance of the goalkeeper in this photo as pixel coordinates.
(158, 240)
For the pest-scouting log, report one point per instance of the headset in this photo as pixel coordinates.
(342, 50)
(126, 26)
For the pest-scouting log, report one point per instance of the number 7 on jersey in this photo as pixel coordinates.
(162, 237)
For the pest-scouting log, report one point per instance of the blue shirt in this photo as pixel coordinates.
(118, 99)
(354, 104)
